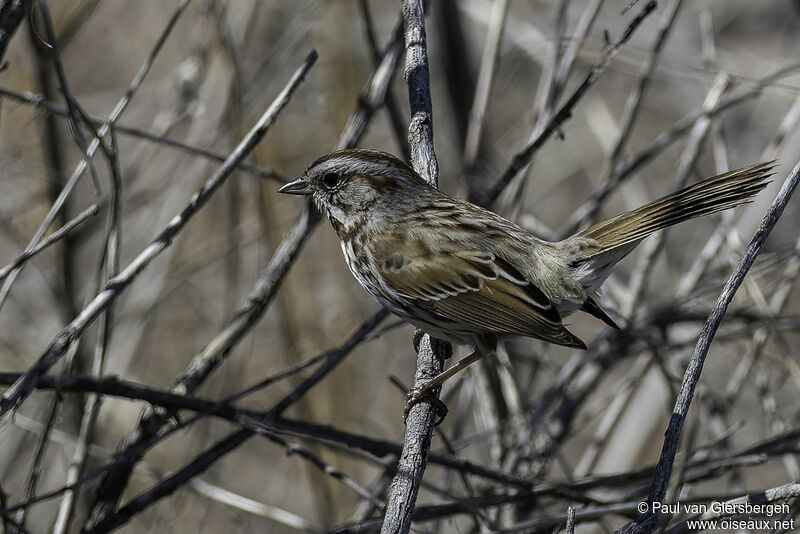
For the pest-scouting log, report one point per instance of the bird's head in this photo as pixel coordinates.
(348, 184)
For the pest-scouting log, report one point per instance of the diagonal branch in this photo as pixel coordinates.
(663, 470)
(79, 219)
(41, 102)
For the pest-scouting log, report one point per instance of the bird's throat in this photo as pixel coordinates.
(348, 227)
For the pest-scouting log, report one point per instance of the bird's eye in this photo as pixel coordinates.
(330, 180)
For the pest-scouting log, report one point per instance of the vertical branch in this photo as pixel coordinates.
(108, 268)
(560, 75)
(51, 153)
(568, 59)
(392, 107)
(543, 103)
(430, 359)
(420, 129)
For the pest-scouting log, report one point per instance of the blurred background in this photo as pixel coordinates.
(541, 413)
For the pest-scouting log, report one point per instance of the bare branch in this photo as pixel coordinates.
(257, 302)
(483, 88)
(691, 378)
(430, 359)
(40, 102)
(634, 101)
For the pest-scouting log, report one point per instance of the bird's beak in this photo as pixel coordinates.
(296, 187)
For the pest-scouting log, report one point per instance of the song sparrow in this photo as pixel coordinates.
(464, 274)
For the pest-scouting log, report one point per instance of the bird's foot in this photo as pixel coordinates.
(423, 393)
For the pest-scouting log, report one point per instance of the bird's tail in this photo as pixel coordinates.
(617, 236)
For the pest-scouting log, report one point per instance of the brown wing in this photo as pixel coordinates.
(478, 289)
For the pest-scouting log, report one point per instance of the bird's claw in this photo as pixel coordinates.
(418, 333)
(420, 393)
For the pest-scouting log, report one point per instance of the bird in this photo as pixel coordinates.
(464, 274)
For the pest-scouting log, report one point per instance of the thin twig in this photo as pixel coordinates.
(74, 111)
(79, 219)
(578, 37)
(251, 506)
(391, 105)
(173, 402)
(207, 458)
(483, 88)
(691, 152)
(545, 101)
(633, 163)
(631, 111)
(108, 268)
